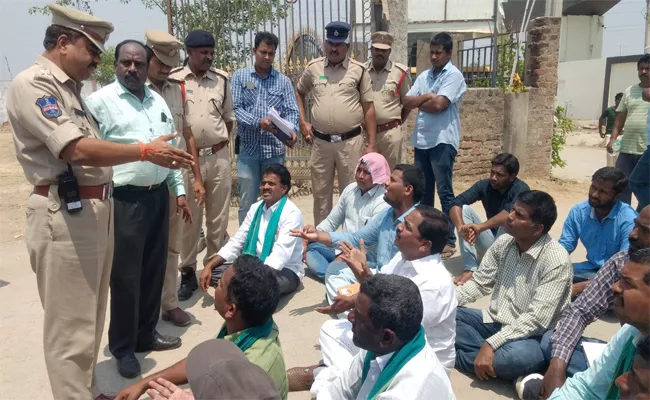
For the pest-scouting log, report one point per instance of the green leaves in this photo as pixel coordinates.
(562, 126)
(105, 72)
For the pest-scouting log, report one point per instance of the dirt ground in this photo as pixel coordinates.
(21, 361)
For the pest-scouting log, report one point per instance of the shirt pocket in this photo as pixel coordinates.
(349, 87)
(388, 91)
(249, 96)
(274, 99)
(320, 88)
(215, 104)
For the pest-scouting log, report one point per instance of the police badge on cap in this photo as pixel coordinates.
(337, 32)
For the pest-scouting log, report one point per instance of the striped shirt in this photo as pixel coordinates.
(634, 130)
(253, 98)
(529, 291)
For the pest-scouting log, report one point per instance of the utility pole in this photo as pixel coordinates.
(495, 43)
(170, 28)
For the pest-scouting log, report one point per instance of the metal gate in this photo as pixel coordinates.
(300, 26)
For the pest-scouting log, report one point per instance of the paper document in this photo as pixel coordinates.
(593, 351)
(284, 127)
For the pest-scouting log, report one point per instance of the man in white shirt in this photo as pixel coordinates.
(359, 202)
(265, 234)
(395, 362)
(420, 240)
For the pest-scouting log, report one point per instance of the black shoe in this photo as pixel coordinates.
(188, 284)
(128, 366)
(160, 343)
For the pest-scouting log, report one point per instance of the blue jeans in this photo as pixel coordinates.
(513, 359)
(473, 253)
(640, 180)
(626, 163)
(249, 176)
(583, 271)
(437, 164)
(577, 362)
(318, 258)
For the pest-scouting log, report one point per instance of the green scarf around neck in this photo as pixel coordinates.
(249, 336)
(250, 247)
(625, 362)
(394, 365)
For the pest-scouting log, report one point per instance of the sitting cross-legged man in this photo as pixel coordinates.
(359, 203)
(529, 277)
(420, 240)
(404, 190)
(265, 234)
(246, 298)
(602, 223)
(497, 195)
(395, 360)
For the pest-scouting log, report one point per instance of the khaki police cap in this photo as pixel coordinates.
(165, 46)
(95, 29)
(382, 40)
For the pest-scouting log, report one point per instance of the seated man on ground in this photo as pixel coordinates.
(265, 234)
(611, 370)
(561, 347)
(420, 240)
(395, 362)
(497, 195)
(246, 298)
(360, 203)
(602, 223)
(218, 370)
(404, 190)
(529, 276)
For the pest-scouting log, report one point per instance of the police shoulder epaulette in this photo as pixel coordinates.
(315, 60)
(175, 80)
(401, 67)
(221, 72)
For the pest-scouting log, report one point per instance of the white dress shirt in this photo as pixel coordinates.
(287, 250)
(438, 294)
(422, 378)
(354, 210)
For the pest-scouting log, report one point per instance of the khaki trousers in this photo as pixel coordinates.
(217, 179)
(170, 292)
(389, 145)
(327, 157)
(72, 255)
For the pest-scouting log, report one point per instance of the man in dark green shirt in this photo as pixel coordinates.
(608, 116)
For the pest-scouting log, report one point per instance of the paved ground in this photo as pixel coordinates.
(21, 360)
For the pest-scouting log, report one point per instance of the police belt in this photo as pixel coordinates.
(100, 192)
(336, 138)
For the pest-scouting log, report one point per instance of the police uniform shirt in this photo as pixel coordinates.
(388, 92)
(338, 91)
(46, 114)
(172, 93)
(208, 105)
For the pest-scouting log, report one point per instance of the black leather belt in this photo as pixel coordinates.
(336, 138)
(134, 188)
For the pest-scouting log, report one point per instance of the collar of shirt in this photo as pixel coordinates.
(58, 73)
(272, 208)
(433, 76)
(421, 265)
(536, 249)
(343, 64)
(271, 75)
(612, 213)
(209, 74)
(122, 91)
(388, 67)
(369, 193)
(401, 217)
(153, 87)
(382, 361)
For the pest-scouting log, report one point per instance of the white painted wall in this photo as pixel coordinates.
(622, 77)
(581, 38)
(4, 85)
(580, 88)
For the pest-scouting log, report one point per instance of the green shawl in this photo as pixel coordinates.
(625, 362)
(249, 336)
(250, 247)
(394, 365)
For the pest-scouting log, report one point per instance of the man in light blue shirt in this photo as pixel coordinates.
(255, 90)
(129, 112)
(404, 191)
(438, 93)
(603, 224)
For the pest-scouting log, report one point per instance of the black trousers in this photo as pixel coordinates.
(141, 238)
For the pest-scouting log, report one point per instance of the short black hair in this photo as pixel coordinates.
(509, 162)
(544, 210)
(53, 32)
(254, 289)
(641, 256)
(125, 42)
(618, 96)
(395, 304)
(281, 171)
(643, 348)
(645, 59)
(268, 38)
(443, 39)
(434, 228)
(412, 176)
(614, 175)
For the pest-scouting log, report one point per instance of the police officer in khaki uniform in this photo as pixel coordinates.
(209, 111)
(69, 233)
(164, 52)
(342, 95)
(390, 83)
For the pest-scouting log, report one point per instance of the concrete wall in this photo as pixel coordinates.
(4, 85)
(622, 76)
(580, 87)
(581, 38)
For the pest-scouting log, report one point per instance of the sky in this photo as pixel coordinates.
(624, 29)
